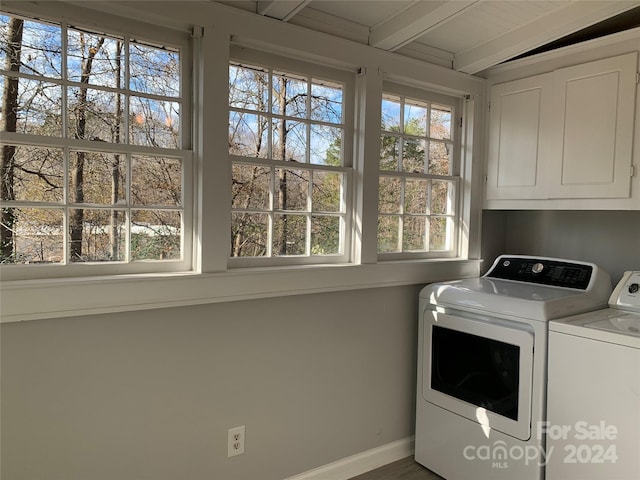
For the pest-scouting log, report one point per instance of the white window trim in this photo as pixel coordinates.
(142, 32)
(251, 56)
(211, 281)
(458, 249)
(56, 298)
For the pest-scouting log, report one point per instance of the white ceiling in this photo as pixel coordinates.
(465, 35)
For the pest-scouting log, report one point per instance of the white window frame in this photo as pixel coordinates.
(454, 199)
(211, 280)
(278, 63)
(143, 34)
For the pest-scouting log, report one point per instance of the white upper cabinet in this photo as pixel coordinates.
(595, 107)
(564, 139)
(519, 144)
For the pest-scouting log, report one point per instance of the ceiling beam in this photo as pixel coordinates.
(547, 28)
(281, 9)
(414, 22)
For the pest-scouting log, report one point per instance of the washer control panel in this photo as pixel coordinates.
(626, 295)
(544, 271)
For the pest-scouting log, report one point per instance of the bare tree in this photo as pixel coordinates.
(296, 114)
(115, 167)
(246, 190)
(76, 218)
(282, 153)
(9, 122)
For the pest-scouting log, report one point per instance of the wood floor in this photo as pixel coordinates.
(405, 469)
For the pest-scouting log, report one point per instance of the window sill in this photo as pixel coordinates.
(55, 298)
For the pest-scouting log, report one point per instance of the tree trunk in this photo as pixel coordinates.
(282, 177)
(76, 219)
(240, 237)
(114, 235)
(9, 122)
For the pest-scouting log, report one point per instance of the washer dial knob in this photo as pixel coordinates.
(537, 267)
(634, 287)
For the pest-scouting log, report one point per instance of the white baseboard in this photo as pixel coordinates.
(360, 463)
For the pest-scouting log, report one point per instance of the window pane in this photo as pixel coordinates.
(414, 233)
(289, 96)
(38, 173)
(391, 113)
(289, 235)
(251, 187)
(440, 122)
(249, 234)
(301, 124)
(38, 108)
(327, 190)
(415, 119)
(40, 50)
(97, 235)
(440, 160)
(98, 178)
(292, 189)
(31, 235)
(415, 195)
(409, 202)
(95, 115)
(438, 237)
(156, 235)
(325, 235)
(154, 123)
(388, 228)
(95, 190)
(389, 194)
(325, 145)
(248, 89)
(326, 102)
(154, 70)
(289, 140)
(95, 59)
(389, 152)
(413, 156)
(248, 135)
(441, 195)
(156, 181)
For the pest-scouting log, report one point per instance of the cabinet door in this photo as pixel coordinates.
(593, 144)
(519, 120)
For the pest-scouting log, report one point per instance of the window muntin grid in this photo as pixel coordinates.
(97, 129)
(417, 190)
(287, 144)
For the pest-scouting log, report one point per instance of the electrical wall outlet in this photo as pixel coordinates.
(235, 441)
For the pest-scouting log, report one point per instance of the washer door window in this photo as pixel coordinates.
(480, 370)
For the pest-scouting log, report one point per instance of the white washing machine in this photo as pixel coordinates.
(594, 391)
(482, 364)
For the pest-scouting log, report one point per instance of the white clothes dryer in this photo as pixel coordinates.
(593, 430)
(482, 364)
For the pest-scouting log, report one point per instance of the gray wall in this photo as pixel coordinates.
(315, 378)
(610, 239)
(151, 394)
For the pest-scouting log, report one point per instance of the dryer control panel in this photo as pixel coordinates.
(542, 270)
(627, 293)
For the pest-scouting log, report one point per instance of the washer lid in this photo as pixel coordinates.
(626, 323)
(514, 299)
(610, 325)
(535, 288)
